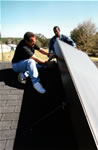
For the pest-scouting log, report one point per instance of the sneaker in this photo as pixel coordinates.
(38, 87)
(21, 78)
(26, 74)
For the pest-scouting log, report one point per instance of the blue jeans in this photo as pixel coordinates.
(29, 66)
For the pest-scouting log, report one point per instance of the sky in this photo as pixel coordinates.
(18, 17)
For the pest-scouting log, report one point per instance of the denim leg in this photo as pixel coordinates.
(33, 72)
(28, 65)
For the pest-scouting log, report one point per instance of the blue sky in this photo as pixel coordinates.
(18, 17)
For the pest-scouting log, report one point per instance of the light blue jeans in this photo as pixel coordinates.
(29, 66)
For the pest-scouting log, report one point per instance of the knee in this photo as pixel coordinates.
(31, 61)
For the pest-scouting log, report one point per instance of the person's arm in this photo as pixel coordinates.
(45, 52)
(69, 41)
(37, 59)
(72, 42)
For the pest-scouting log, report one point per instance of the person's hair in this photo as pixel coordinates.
(27, 35)
(54, 28)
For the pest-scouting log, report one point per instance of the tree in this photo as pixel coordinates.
(95, 47)
(0, 38)
(84, 36)
(42, 41)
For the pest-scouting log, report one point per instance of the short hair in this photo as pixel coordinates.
(54, 28)
(27, 35)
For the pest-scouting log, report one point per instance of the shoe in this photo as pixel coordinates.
(38, 87)
(21, 78)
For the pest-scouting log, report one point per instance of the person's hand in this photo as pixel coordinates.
(49, 62)
(50, 55)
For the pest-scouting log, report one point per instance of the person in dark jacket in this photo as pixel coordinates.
(24, 60)
(61, 37)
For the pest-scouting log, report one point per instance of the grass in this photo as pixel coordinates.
(7, 56)
(95, 59)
